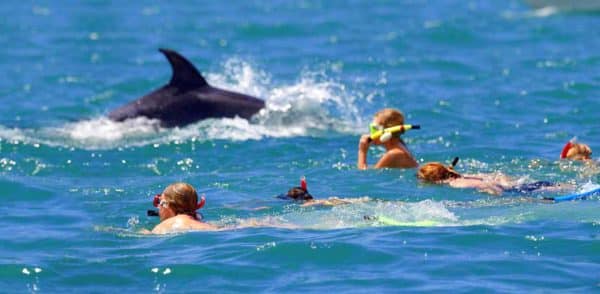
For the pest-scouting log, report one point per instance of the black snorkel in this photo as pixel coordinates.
(454, 162)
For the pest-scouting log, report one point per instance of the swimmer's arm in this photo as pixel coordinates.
(145, 232)
(313, 203)
(396, 160)
(476, 184)
(502, 179)
(333, 201)
(363, 148)
(324, 202)
(491, 189)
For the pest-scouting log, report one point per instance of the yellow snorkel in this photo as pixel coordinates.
(378, 132)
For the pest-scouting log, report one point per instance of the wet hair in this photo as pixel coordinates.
(297, 193)
(182, 198)
(436, 172)
(390, 117)
(579, 151)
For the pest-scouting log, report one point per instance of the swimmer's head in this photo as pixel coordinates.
(577, 151)
(297, 193)
(387, 118)
(435, 172)
(179, 198)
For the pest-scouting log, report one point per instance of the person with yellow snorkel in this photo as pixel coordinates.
(385, 130)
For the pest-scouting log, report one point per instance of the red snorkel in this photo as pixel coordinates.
(198, 206)
(201, 203)
(297, 193)
(566, 149)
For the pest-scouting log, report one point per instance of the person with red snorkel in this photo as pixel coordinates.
(177, 206)
(302, 195)
(385, 130)
(576, 151)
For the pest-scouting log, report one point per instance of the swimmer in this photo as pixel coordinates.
(576, 151)
(177, 206)
(397, 154)
(301, 194)
(495, 183)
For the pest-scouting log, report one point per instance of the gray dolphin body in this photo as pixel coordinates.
(187, 98)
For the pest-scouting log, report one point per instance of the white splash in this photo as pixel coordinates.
(366, 214)
(587, 187)
(545, 11)
(315, 105)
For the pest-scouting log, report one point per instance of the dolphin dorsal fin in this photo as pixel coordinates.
(185, 73)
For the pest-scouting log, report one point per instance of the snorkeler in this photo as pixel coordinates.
(385, 130)
(576, 151)
(495, 183)
(301, 194)
(177, 209)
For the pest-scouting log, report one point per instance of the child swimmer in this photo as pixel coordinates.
(385, 130)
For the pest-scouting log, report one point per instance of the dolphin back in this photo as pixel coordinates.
(187, 98)
(185, 75)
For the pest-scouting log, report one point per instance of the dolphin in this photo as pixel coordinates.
(187, 98)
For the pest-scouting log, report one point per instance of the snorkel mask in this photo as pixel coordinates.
(156, 202)
(385, 134)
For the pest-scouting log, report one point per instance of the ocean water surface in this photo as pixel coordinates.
(497, 83)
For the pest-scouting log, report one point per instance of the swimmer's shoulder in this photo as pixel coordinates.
(397, 157)
(202, 226)
(181, 223)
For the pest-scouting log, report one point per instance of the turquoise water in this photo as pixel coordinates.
(494, 82)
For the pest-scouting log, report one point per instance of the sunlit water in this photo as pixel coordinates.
(497, 83)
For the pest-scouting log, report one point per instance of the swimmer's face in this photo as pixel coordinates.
(164, 211)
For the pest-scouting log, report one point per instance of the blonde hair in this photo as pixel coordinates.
(436, 172)
(390, 117)
(182, 198)
(579, 151)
